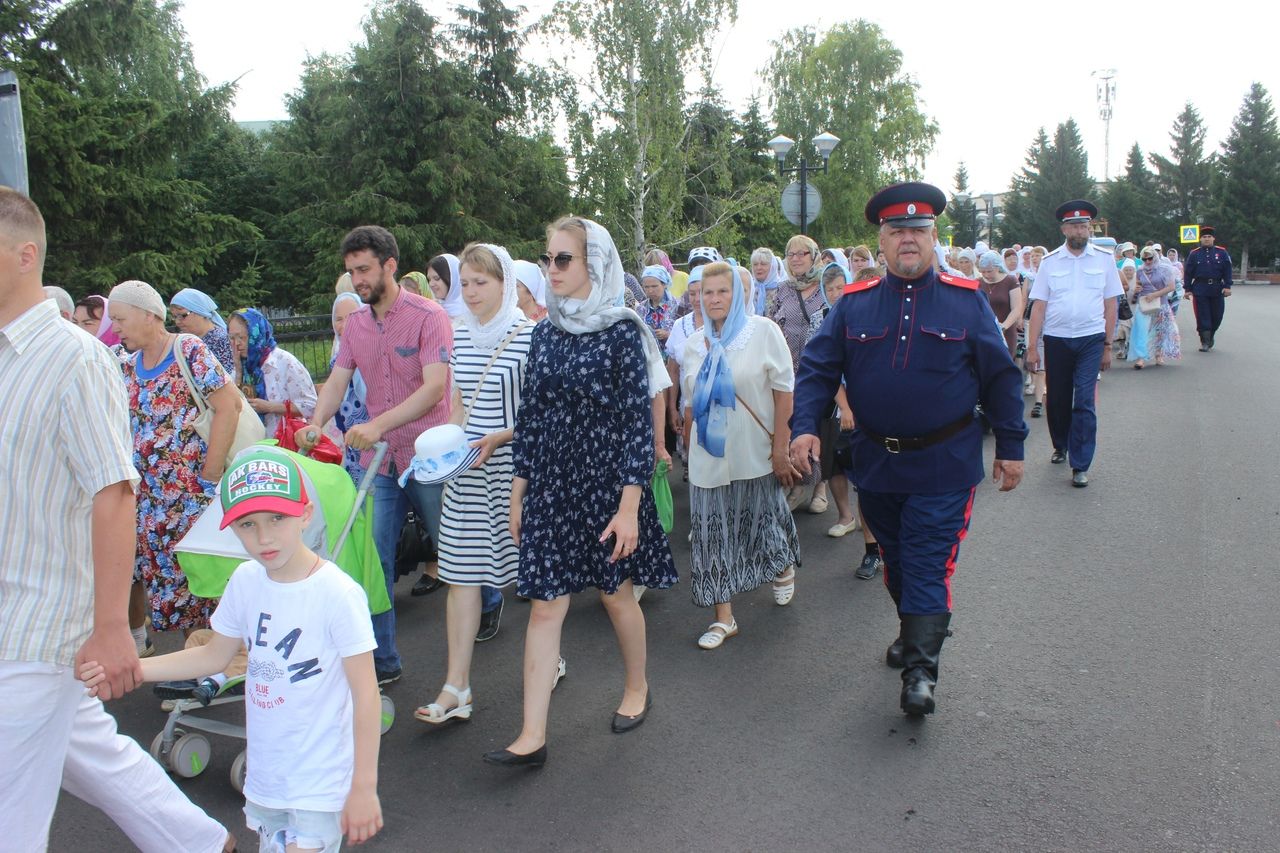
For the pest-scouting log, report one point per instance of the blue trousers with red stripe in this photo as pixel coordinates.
(919, 538)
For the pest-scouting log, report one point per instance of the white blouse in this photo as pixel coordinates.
(761, 364)
(287, 379)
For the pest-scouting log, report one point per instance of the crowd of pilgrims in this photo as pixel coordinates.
(577, 381)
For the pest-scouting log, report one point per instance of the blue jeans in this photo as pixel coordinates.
(1071, 368)
(390, 508)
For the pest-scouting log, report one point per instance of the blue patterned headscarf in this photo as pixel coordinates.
(262, 341)
(714, 393)
(199, 303)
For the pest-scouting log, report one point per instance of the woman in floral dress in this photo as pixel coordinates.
(582, 510)
(179, 470)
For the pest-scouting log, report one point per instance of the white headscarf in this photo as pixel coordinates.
(600, 309)
(486, 336)
(530, 275)
(453, 299)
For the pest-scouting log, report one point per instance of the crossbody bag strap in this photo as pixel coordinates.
(754, 416)
(466, 415)
(181, 357)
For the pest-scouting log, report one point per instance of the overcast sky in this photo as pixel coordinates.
(989, 73)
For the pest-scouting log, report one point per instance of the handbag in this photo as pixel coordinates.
(1149, 305)
(292, 422)
(249, 427)
(1124, 312)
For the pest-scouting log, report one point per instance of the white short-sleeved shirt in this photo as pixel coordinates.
(761, 364)
(1074, 288)
(298, 708)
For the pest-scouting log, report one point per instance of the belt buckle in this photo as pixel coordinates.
(893, 445)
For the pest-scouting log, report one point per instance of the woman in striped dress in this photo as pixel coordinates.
(476, 549)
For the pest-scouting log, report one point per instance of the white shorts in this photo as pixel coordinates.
(278, 828)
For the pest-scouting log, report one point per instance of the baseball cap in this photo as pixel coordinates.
(262, 482)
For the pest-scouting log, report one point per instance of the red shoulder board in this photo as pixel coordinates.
(958, 281)
(859, 286)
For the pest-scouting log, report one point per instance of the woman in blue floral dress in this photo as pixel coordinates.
(178, 472)
(582, 509)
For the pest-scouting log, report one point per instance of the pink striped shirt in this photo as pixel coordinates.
(390, 355)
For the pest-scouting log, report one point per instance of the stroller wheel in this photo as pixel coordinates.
(388, 713)
(238, 772)
(190, 755)
(157, 747)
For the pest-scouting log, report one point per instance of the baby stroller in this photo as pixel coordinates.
(341, 530)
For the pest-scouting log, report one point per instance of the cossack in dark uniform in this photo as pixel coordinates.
(1207, 273)
(917, 356)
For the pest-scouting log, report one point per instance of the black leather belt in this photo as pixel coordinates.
(897, 445)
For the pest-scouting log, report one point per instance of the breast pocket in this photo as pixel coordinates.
(406, 364)
(942, 348)
(865, 334)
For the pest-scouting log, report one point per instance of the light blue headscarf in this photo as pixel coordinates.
(714, 393)
(200, 304)
(991, 260)
(657, 271)
(775, 277)
(848, 279)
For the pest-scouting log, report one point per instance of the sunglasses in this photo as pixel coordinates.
(562, 260)
(1146, 258)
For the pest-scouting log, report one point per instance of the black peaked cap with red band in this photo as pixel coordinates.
(909, 205)
(1076, 210)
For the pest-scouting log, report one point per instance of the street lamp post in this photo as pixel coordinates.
(782, 145)
(988, 218)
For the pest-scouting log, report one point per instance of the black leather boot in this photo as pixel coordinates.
(893, 654)
(922, 638)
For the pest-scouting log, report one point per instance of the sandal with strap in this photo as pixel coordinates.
(713, 639)
(435, 713)
(786, 590)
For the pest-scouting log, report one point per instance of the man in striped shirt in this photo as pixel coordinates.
(67, 538)
(401, 344)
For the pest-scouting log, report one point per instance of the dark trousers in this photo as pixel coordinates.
(919, 538)
(1209, 310)
(1071, 368)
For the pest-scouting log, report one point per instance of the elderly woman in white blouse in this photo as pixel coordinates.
(738, 382)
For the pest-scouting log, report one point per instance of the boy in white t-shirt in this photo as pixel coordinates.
(312, 708)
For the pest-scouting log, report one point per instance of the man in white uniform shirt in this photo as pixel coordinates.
(1074, 305)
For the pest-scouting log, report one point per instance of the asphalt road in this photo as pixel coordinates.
(1111, 684)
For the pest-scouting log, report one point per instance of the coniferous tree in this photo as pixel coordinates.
(1247, 189)
(1133, 205)
(1183, 177)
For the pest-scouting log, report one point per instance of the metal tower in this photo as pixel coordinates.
(1106, 96)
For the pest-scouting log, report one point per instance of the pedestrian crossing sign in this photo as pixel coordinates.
(1190, 233)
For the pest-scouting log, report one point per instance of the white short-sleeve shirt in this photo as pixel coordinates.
(1074, 288)
(298, 707)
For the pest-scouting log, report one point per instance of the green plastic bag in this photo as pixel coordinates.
(662, 497)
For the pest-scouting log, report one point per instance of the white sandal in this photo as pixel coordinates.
(435, 713)
(783, 593)
(713, 639)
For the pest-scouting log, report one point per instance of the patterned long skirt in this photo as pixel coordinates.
(743, 536)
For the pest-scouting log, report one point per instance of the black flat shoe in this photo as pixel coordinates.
(1058, 457)
(507, 758)
(426, 585)
(174, 689)
(623, 724)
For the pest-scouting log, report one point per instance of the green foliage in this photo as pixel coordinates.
(850, 83)
(112, 102)
(963, 215)
(1246, 192)
(1183, 178)
(1055, 171)
(1133, 205)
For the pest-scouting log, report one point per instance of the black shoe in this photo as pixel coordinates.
(893, 654)
(507, 758)
(1211, 334)
(1079, 479)
(489, 623)
(426, 585)
(389, 676)
(174, 689)
(922, 638)
(1037, 410)
(1058, 457)
(622, 724)
(869, 566)
(1204, 342)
